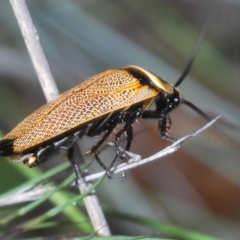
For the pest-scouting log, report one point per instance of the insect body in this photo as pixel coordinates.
(97, 105)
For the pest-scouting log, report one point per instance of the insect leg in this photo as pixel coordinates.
(72, 157)
(95, 149)
(164, 123)
(117, 140)
(129, 132)
(108, 126)
(129, 118)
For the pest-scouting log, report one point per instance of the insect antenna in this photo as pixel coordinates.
(193, 56)
(183, 76)
(197, 110)
(188, 68)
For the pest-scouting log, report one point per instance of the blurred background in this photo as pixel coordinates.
(197, 187)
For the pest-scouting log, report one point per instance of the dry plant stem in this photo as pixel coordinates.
(49, 87)
(35, 50)
(27, 196)
(97, 217)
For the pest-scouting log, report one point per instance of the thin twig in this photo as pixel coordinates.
(26, 196)
(35, 50)
(49, 87)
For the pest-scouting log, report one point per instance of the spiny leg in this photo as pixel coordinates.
(95, 155)
(129, 118)
(119, 154)
(129, 133)
(164, 125)
(106, 126)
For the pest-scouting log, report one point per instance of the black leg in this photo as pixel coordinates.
(75, 157)
(107, 126)
(164, 125)
(128, 130)
(95, 149)
(129, 119)
(129, 137)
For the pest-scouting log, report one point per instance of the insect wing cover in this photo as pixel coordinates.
(96, 97)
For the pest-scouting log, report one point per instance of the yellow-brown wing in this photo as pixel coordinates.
(96, 97)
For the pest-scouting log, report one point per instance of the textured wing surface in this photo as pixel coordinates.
(97, 96)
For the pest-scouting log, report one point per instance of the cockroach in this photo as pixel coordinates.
(95, 106)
